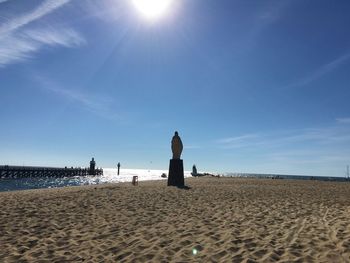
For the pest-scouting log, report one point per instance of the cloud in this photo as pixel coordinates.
(98, 104)
(271, 14)
(62, 37)
(18, 42)
(24, 45)
(320, 72)
(14, 49)
(237, 138)
(321, 151)
(320, 137)
(302, 157)
(266, 17)
(192, 147)
(343, 120)
(24, 19)
(245, 140)
(2, 1)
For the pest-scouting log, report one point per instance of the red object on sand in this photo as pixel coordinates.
(135, 180)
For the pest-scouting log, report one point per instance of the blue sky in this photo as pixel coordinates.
(251, 86)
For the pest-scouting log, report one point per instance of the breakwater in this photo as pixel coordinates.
(7, 171)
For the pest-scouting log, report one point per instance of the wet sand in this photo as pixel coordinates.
(223, 219)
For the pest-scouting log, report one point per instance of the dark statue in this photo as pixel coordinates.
(176, 168)
(176, 146)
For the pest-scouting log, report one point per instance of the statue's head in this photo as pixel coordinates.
(176, 133)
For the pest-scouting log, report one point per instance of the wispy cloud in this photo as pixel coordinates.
(237, 139)
(22, 46)
(2, 1)
(59, 37)
(264, 18)
(98, 104)
(321, 71)
(271, 14)
(19, 42)
(343, 120)
(192, 147)
(312, 136)
(310, 157)
(43, 9)
(241, 141)
(318, 151)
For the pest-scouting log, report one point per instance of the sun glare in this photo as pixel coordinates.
(152, 9)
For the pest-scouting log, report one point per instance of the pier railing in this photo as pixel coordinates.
(7, 171)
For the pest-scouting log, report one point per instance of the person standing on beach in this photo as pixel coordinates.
(118, 167)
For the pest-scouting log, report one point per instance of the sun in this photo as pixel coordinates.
(152, 9)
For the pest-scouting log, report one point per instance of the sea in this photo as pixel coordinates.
(110, 175)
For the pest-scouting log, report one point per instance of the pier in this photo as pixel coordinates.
(8, 171)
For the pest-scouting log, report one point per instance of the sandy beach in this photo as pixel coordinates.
(216, 220)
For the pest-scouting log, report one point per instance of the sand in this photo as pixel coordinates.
(224, 219)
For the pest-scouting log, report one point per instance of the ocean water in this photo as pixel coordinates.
(291, 177)
(109, 176)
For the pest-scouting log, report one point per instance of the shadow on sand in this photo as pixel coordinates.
(184, 187)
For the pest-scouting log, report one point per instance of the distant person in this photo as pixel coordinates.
(118, 167)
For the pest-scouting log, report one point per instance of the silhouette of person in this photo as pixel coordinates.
(176, 146)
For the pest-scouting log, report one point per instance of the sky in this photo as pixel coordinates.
(251, 86)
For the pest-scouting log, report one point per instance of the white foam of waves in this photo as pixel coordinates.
(110, 175)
